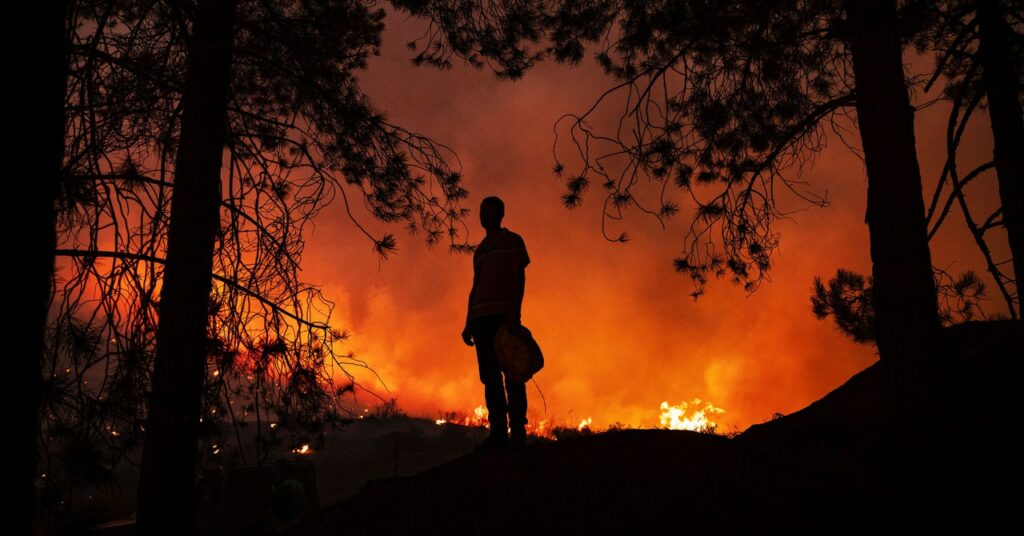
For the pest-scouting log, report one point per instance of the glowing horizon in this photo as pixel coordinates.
(619, 331)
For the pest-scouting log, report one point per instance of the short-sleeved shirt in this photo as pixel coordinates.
(497, 262)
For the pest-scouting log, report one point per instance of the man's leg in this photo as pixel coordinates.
(516, 409)
(484, 329)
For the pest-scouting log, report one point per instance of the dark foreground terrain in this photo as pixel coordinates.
(831, 467)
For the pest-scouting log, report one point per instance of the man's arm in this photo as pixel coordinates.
(519, 283)
(519, 289)
(467, 335)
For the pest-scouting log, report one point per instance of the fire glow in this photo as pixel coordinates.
(475, 418)
(696, 415)
(675, 418)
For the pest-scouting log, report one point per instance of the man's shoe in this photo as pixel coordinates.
(492, 442)
(517, 438)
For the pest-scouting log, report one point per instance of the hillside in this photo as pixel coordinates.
(827, 467)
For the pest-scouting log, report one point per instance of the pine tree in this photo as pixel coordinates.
(167, 493)
(979, 46)
(297, 133)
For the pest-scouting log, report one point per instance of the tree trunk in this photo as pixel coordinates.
(42, 196)
(1002, 82)
(904, 291)
(167, 493)
(904, 298)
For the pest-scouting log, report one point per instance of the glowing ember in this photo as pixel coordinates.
(439, 422)
(585, 423)
(675, 418)
(304, 449)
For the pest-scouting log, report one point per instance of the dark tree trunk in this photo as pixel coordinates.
(904, 298)
(42, 235)
(1002, 82)
(167, 493)
(904, 291)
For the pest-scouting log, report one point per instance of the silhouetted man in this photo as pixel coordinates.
(499, 278)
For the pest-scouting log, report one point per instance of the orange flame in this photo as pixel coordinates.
(541, 429)
(674, 417)
(476, 418)
(694, 415)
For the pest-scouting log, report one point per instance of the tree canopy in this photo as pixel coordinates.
(726, 101)
(300, 135)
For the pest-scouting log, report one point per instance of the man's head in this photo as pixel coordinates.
(492, 210)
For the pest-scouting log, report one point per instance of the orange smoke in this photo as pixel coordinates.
(619, 331)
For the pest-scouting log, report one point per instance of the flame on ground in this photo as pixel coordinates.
(477, 417)
(675, 418)
(304, 449)
(541, 429)
(695, 415)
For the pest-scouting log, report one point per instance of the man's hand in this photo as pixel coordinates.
(467, 336)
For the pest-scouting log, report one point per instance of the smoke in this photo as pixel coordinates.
(618, 329)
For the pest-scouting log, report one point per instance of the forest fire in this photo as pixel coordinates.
(241, 224)
(541, 429)
(695, 415)
(675, 418)
(475, 418)
(478, 418)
